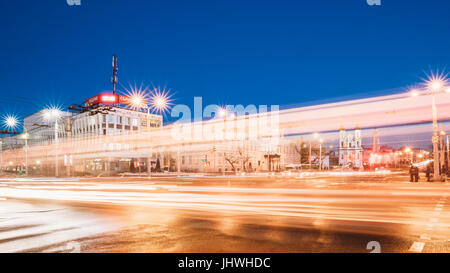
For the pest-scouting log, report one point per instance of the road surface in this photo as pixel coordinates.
(338, 213)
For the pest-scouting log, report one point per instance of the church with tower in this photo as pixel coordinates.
(350, 148)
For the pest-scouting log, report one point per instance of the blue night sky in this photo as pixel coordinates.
(228, 52)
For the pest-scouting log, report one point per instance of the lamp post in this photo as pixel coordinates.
(159, 102)
(25, 136)
(316, 136)
(223, 114)
(10, 122)
(320, 154)
(54, 114)
(448, 153)
(435, 85)
(442, 149)
(300, 154)
(1, 156)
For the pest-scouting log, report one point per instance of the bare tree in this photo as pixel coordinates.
(244, 158)
(232, 160)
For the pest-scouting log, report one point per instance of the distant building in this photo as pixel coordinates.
(111, 121)
(350, 148)
(41, 131)
(375, 141)
(103, 115)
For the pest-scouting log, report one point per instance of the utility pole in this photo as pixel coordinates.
(68, 130)
(178, 161)
(435, 139)
(300, 151)
(25, 137)
(56, 149)
(442, 148)
(1, 155)
(224, 163)
(114, 77)
(448, 153)
(149, 158)
(310, 159)
(320, 155)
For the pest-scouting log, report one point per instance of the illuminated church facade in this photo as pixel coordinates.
(350, 148)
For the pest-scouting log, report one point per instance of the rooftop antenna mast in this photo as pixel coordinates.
(114, 77)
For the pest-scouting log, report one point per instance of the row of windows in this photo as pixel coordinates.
(120, 120)
(107, 119)
(96, 128)
(92, 124)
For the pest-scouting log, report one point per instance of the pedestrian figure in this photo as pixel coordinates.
(416, 173)
(428, 173)
(412, 173)
(444, 173)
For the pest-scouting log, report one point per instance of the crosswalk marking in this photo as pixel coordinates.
(417, 247)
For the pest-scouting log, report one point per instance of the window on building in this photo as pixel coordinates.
(119, 119)
(110, 119)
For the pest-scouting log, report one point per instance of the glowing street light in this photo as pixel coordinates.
(53, 114)
(222, 112)
(25, 136)
(160, 100)
(137, 101)
(10, 122)
(157, 100)
(316, 136)
(320, 154)
(414, 93)
(160, 103)
(435, 83)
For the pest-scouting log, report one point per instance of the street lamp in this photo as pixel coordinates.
(159, 101)
(53, 114)
(10, 122)
(138, 100)
(435, 84)
(316, 136)
(25, 136)
(320, 154)
(223, 114)
(443, 133)
(414, 93)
